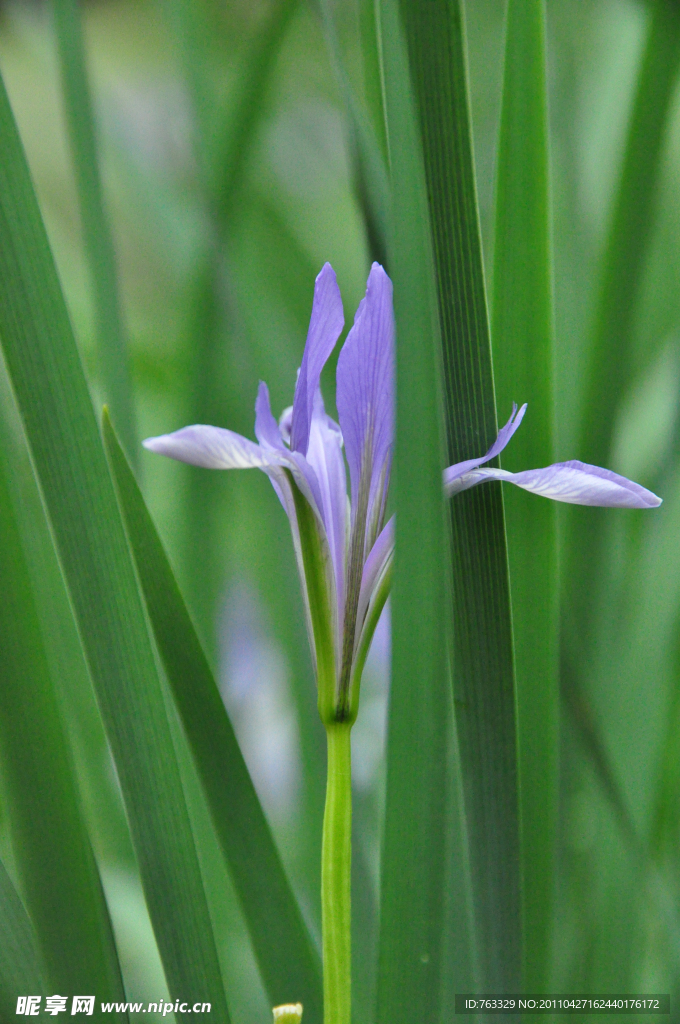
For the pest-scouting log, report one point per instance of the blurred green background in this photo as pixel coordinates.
(219, 233)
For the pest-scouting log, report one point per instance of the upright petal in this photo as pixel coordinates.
(574, 482)
(504, 435)
(266, 428)
(325, 325)
(374, 569)
(365, 390)
(269, 435)
(212, 448)
(324, 455)
(286, 423)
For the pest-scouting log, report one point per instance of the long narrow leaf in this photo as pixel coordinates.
(20, 973)
(288, 962)
(99, 789)
(367, 127)
(370, 51)
(52, 849)
(113, 355)
(61, 428)
(413, 857)
(522, 333)
(484, 683)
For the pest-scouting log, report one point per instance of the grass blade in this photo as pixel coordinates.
(367, 125)
(67, 452)
(52, 849)
(484, 685)
(370, 51)
(20, 972)
(522, 333)
(113, 355)
(288, 963)
(412, 914)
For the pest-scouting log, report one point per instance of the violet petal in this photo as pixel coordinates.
(365, 388)
(325, 325)
(504, 435)
(324, 455)
(380, 554)
(574, 482)
(210, 447)
(266, 428)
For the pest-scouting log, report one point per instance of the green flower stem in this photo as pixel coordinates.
(336, 862)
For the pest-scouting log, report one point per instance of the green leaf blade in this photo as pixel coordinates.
(522, 333)
(419, 719)
(484, 682)
(288, 962)
(611, 362)
(20, 972)
(52, 849)
(56, 410)
(113, 355)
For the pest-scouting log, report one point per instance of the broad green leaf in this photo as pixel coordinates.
(419, 719)
(54, 859)
(616, 635)
(55, 406)
(611, 358)
(590, 737)
(522, 335)
(113, 356)
(288, 962)
(606, 610)
(20, 973)
(484, 684)
(611, 366)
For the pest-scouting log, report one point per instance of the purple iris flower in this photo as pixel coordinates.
(344, 548)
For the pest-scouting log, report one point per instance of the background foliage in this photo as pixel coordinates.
(234, 162)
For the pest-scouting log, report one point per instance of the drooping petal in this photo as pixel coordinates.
(365, 390)
(325, 325)
(210, 447)
(504, 435)
(218, 448)
(266, 428)
(574, 482)
(324, 455)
